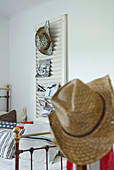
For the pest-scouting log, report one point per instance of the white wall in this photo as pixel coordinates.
(4, 56)
(90, 44)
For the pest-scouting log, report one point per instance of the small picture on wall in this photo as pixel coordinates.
(44, 68)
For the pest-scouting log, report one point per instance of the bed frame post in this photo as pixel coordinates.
(61, 161)
(16, 138)
(81, 167)
(8, 88)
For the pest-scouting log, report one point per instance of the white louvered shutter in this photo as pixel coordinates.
(58, 59)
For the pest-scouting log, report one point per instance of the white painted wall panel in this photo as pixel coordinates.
(90, 44)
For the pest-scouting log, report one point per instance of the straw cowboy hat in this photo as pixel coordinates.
(82, 120)
(43, 40)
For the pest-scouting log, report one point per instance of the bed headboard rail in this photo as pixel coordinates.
(7, 89)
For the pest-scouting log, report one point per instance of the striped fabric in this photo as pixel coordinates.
(6, 139)
(7, 146)
(22, 124)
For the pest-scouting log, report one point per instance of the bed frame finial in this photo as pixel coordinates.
(16, 131)
(8, 86)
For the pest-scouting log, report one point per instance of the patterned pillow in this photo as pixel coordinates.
(7, 125)
(10, 125)
(7, 145)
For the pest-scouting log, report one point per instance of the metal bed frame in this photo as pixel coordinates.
(7, 89)
(17, 137)
(31, 150)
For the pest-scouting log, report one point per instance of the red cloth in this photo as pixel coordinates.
(107, 162)
(69, 165)
(21, 124)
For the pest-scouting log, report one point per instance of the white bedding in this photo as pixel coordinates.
(9, 164)
(26, 143)
(39, 157)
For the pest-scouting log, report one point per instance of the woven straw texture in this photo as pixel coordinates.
(81, 122)
(43, 40)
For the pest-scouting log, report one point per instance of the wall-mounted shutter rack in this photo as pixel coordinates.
(58, 58)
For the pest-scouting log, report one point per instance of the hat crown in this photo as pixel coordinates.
(78, 107)
(85, 144)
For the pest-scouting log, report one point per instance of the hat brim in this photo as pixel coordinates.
(93, 147)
